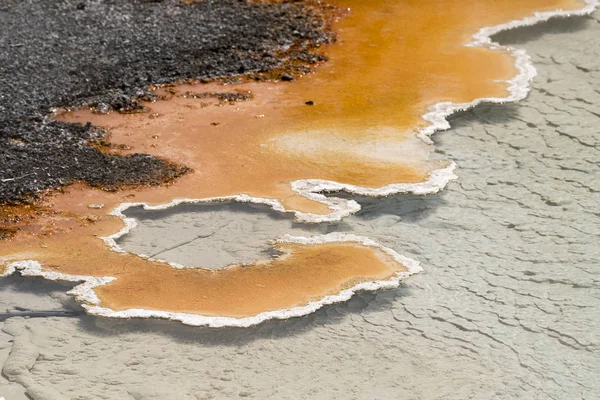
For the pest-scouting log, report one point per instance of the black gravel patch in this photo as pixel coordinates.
(102, 53)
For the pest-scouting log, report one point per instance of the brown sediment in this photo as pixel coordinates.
(15, 217)
(393, 60)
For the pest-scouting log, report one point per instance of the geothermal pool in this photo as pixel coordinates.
(509, 250)
(346, 126)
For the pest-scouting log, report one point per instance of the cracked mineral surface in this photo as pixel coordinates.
(366, 133)
(506, 308)
(211, 235)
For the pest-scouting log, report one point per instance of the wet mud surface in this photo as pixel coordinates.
(65, 53)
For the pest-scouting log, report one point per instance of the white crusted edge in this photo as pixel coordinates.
(518, 86)
(340, 207)
(10, 269)
(437, 115)
(84, 292)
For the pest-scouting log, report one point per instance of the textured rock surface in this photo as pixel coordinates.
(61, 53)
(506, 308)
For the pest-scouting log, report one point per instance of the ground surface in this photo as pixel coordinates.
(506, 308)
(68, 52)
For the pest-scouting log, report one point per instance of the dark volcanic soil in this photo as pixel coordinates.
(56, 53)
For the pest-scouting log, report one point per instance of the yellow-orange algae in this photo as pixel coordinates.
(303, 273)
(392, 61)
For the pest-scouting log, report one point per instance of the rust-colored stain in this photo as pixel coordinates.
(351, 121)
